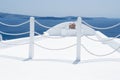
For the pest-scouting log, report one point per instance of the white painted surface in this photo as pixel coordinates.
(57, 65)
(62, 29)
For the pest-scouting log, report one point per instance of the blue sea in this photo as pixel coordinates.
(51, 21)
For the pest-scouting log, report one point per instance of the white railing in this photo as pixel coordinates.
(13, 34)
(41, 25)
(32, 33)
(106, 54)
(105, 40)
(10, 25)
(105, 28)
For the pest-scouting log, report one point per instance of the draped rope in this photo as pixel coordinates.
(14, 34)
(53, 37)
(56, 48)
(105, 40)
(42, 25)
(9, 25)
(100, 55)
(105, 28)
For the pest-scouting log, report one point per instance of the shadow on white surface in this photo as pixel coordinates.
(100, 60)
(54, 60)
(82, 61)
(12, 57)
(62, 60)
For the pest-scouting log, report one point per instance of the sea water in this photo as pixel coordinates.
(52, 21)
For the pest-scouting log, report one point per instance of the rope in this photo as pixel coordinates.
(105, 40)
(56, 48)
(43, 36)
(9, 25)
(100, 55)
(116, 25)
(13, 34)
(38, 33)
(53, 37)
(42, 25)
(48, 36)
(93, 39)
(40, 36)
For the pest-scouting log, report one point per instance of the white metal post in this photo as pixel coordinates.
(78, 35)
(0, 37)
(31, 43)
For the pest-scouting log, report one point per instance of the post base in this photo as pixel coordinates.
(76, 61)
(28, 59)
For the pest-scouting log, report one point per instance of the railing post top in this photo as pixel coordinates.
(79, 19)
(32, 18)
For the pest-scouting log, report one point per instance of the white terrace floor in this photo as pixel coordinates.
(57, 65)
